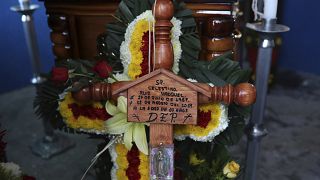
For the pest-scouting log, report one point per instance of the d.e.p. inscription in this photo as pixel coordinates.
(161, 99)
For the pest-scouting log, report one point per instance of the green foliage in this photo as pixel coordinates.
(47, 97)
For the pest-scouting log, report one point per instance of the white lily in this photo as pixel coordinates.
(118, 124)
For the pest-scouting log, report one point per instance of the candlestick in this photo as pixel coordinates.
(51, 144)
(270, 9)
(255, 129)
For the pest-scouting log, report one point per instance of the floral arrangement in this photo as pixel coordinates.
(9, 170)
(200, 150)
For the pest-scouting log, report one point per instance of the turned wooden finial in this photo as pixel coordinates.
(163, 11)
(95, 92)
(243, 94)
(99, 92)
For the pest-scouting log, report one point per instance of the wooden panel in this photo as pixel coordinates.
(161, 99)
(88, 29)
(85, 20)
(161, 134)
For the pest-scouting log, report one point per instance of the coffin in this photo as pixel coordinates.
(76, 24)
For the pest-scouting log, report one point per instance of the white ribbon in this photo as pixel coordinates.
(112, 141)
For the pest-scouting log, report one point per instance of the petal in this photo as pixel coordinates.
(115, 119)
(117, 124)
(119, 129)
(122, 104)
(140, 138)
(111, 109)
(128, 137)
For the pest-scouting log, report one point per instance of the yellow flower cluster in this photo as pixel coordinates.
(134, 69)
(81, 122)
(144, 166)
(198, 130)
(123, 163)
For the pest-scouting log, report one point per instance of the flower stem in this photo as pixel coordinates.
(76, 74)
(112, 77)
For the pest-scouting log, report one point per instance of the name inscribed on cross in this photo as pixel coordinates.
(161, 99)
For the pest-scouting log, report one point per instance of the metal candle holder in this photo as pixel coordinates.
(51, 143)
(255, 130)
(26, 10)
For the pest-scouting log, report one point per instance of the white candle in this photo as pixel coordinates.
(270, 9)
(24, 4)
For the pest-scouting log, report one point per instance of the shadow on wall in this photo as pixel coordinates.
(15, 63)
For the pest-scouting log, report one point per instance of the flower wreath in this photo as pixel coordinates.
(125, 56)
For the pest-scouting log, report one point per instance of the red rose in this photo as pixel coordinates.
(102, 69)
(59, 74)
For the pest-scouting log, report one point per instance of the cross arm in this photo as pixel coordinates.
(243, 94)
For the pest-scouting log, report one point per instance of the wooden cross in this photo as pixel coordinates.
(162, 98)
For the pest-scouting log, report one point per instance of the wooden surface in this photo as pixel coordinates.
(163, 10)
(162, 134)
(161, 99)
(243, 94)
(76, 25)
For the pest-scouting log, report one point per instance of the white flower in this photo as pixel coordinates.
(115, 167)
(125, 54)
(12, 168)
(118, 124)
(223, 124)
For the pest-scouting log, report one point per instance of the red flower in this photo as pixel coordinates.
(178, 174)
(102, 69)
(28, 178)
(59, 74)
(89, 112)
(145, 53)
(2, 145)
(133, 173)
(203, 118)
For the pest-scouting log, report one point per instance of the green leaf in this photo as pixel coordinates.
(116, 28)
(183, 13)
(213, 78)
(190, 22)
(125, 11)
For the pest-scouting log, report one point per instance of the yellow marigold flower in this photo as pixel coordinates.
(122, 162)
(81, 122)
(143, 171)
(197, 130)
(193, 159)
(231, 169)
(144, 158)
(121, 150)
(121, 174)
(144, 177)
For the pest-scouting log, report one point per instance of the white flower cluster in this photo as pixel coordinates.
(12, 168)
(115, 167)
(125, 54)
(223, 124)
(176, 44)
